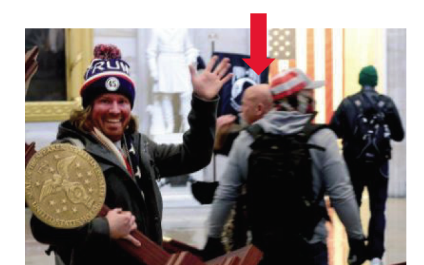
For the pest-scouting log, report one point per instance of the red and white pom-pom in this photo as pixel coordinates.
(106, 52)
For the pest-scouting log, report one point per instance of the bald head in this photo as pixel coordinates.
(256, 102)
(260, 94)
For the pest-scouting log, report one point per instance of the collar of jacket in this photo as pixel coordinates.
(92, 146)
(99, 150)
(368, 89)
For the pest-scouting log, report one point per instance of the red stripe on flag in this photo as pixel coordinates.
(273, 69)
(310, 55)
(328, 74)
(310, 58)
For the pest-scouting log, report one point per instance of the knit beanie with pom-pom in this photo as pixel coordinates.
(107, 73)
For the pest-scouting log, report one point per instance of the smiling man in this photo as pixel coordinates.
(131, 163)
(111, 115)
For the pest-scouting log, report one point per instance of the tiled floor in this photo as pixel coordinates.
(395, 233)
(185, 220)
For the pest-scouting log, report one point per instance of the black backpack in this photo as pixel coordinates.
(371, 133)
(280, 197)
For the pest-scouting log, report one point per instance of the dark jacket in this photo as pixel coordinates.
(91, 243)
(344, 119)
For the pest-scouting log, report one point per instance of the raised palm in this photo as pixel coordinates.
(208, 84)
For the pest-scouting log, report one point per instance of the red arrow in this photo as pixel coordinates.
(258, 60)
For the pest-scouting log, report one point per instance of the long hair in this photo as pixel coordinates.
(81, 119)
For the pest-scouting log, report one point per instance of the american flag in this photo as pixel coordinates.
(318, 52)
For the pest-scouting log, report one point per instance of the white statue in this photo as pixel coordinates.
(169, 54)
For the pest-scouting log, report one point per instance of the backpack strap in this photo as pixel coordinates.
(255, 130)
(310, 129)
(378, 103)
(365, 101)
(371, 102)
(357, 103)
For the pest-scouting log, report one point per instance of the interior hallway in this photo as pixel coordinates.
(185, 220)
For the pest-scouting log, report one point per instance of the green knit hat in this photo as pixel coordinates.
(368, 76)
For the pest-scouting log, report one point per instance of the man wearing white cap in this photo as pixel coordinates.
(288, 165)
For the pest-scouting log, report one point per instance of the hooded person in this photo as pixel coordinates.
(130, 161)
(280, 110)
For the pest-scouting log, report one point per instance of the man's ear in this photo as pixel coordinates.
(260, 108)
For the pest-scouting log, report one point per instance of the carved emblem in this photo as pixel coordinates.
(64, 186)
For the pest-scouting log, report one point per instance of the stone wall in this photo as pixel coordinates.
(396, 89)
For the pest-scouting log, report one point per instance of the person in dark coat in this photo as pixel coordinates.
(371, 174)
(131, 162)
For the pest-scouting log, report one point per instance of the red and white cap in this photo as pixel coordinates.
(291, 81)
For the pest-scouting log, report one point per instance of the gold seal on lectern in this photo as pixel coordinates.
(64, 186)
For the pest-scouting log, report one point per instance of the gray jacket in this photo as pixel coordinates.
(328, 169)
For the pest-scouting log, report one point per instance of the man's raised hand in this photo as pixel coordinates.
(208, 84)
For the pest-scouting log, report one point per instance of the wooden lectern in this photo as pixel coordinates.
(151, 254)
(31, 67)
(29, 152)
